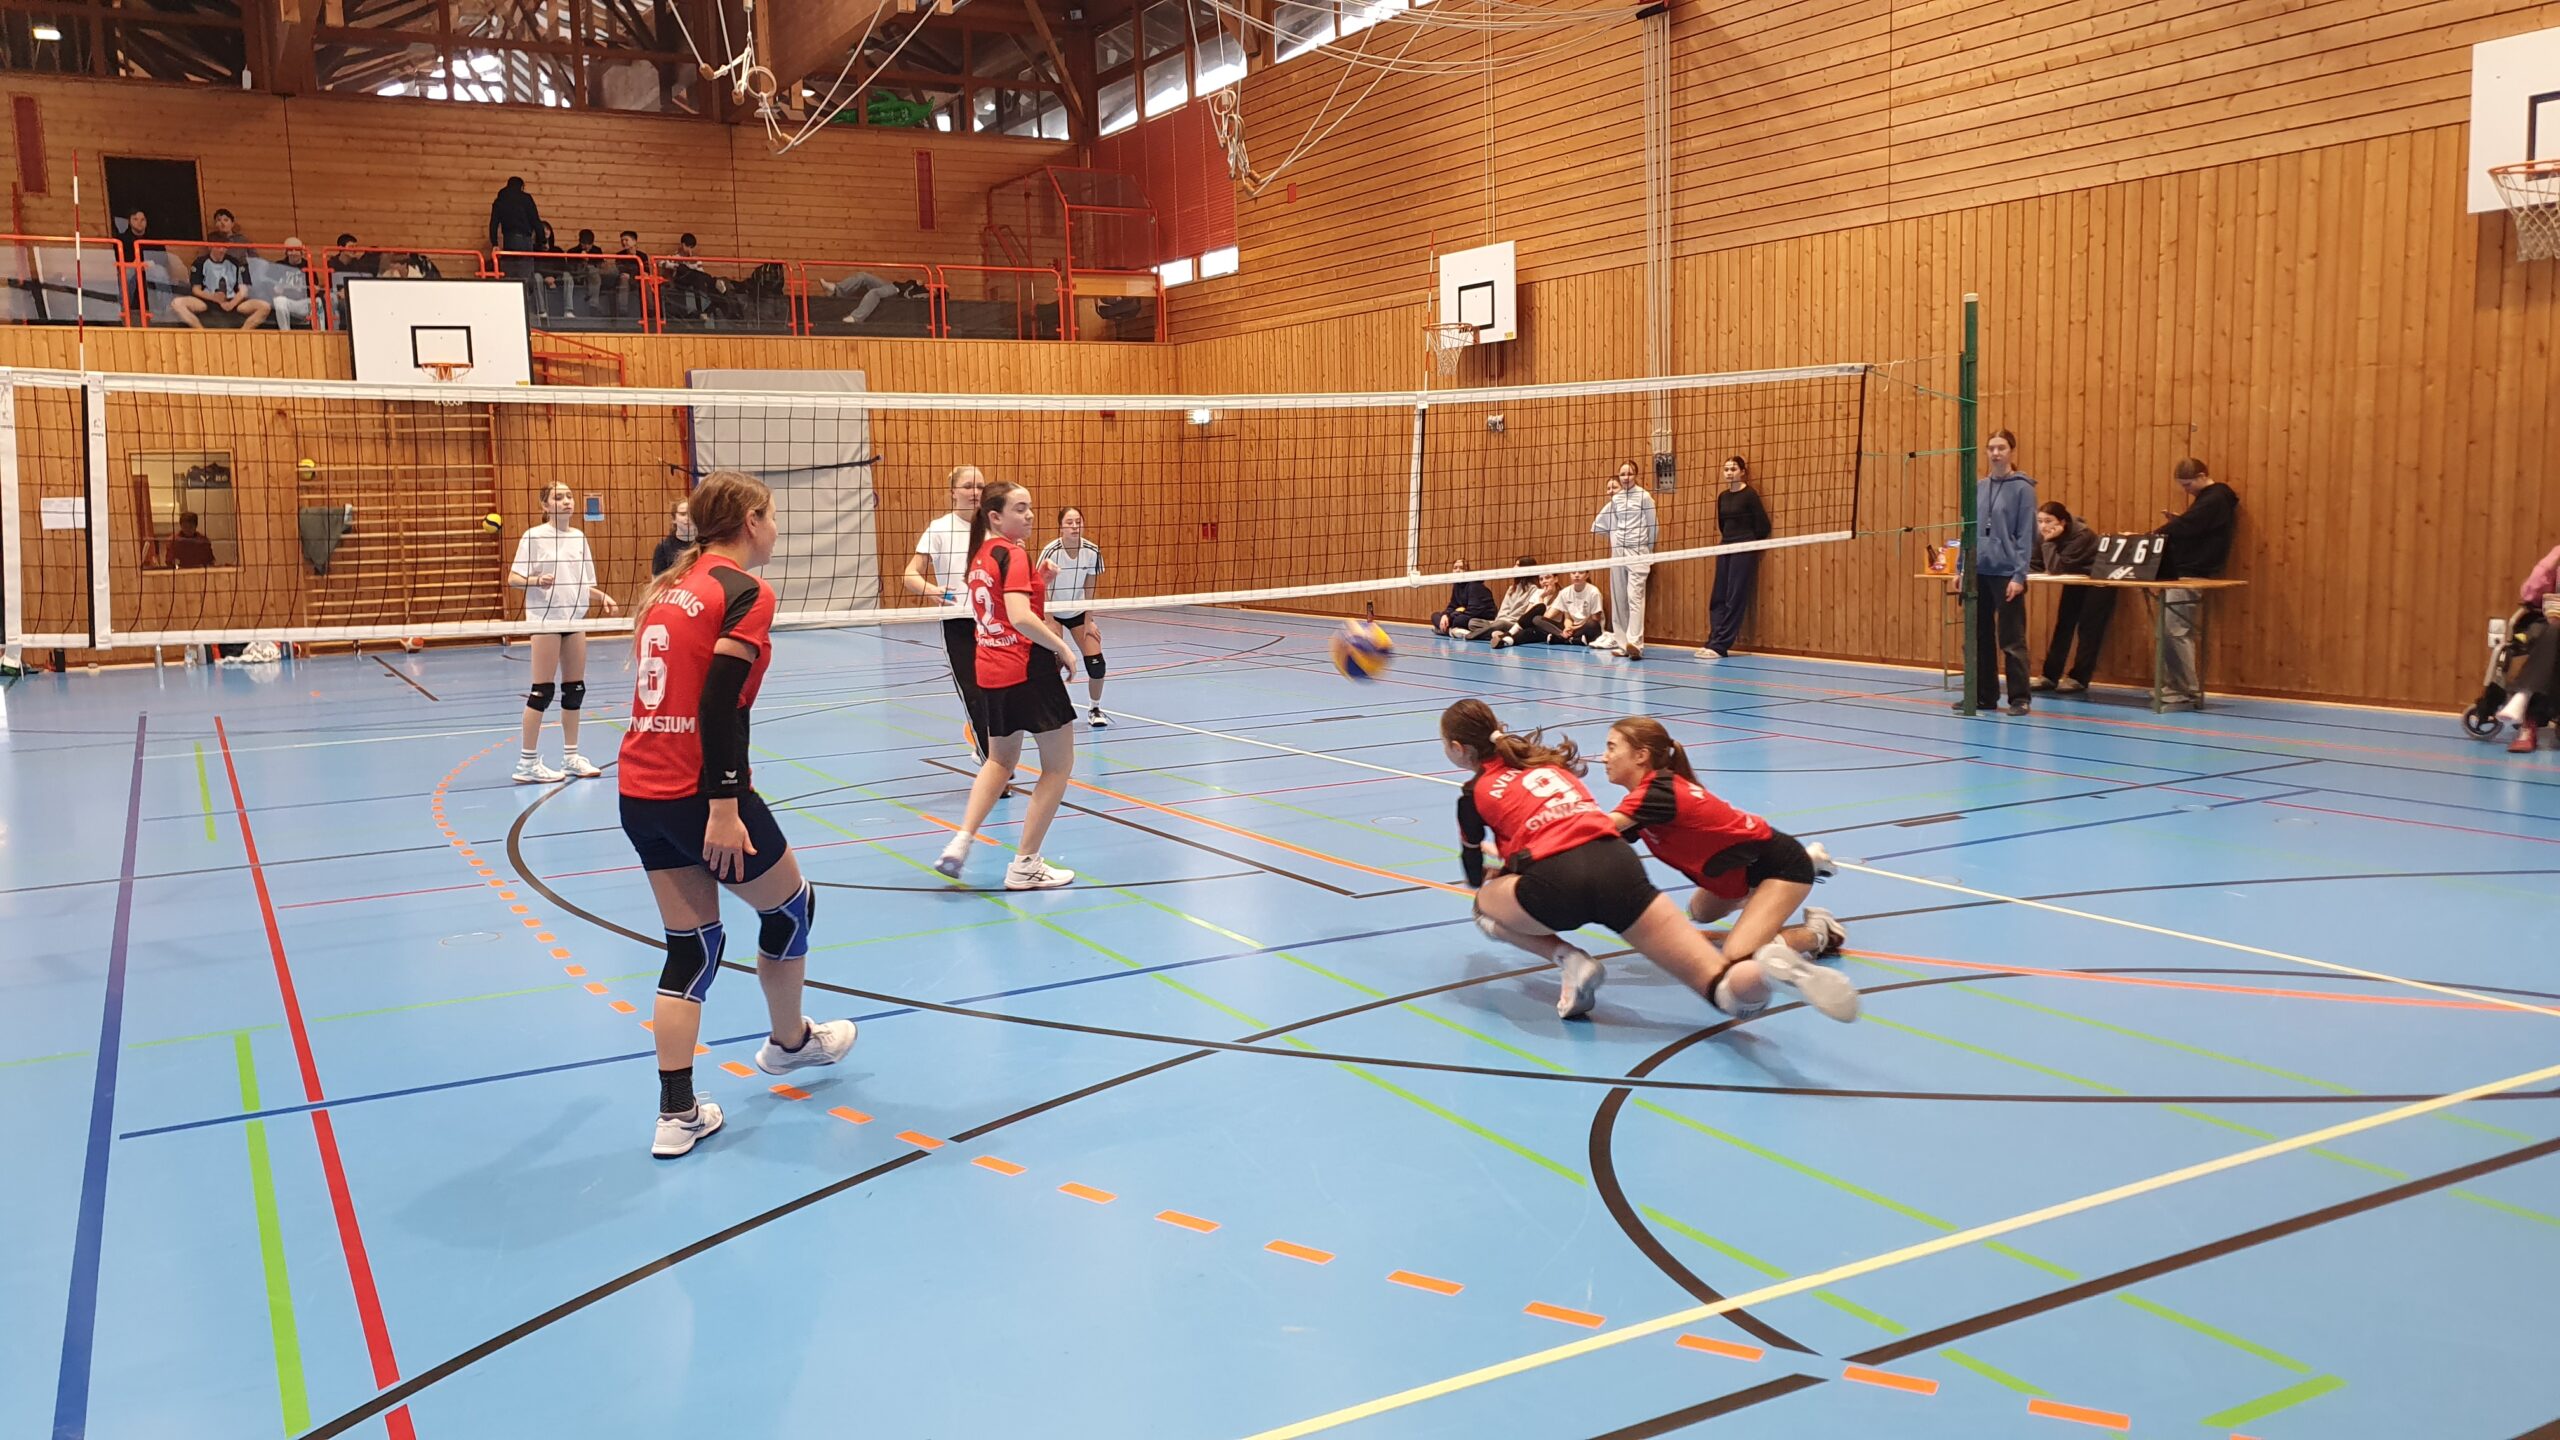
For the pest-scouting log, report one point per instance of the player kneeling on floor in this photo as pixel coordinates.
(1564, 865)
(1735, 859)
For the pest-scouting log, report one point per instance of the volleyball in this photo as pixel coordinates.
(493, 522)
(1363, 650)
(306, 467)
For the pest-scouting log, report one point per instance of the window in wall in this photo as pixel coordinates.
(193, 523)
(1222, 261)
(199, 42)
(1119, 103)
(1113, 46)
(606, 54)
(1302, 25)
(1175, 272)
(1168, 84)
(1220, 60)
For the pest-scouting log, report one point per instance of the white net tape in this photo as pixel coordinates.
(340, 511)
(2532, 194)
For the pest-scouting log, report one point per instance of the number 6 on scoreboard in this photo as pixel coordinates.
(2128, 557)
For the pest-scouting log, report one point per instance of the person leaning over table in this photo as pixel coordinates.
(2199, 546)
(2065, 546)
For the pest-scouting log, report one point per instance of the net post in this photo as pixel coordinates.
(1968, 428)
(1413, 494)
(12, 526)
(93, 406)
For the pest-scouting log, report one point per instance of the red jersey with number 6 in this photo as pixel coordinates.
(714, 601)
(1533, 813)
(1004, 653)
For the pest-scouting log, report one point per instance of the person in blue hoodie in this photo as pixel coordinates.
(2003, 552)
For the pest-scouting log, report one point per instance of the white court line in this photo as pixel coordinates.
(1285, 749)
(1802, 1283)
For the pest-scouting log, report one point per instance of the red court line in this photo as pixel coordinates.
(386, 895)
(2423, 824)
(377, 1333)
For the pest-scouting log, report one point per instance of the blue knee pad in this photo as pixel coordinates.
(538, 699)
(785, 932)
(573, 694)
(1094, 666)
(693, 958)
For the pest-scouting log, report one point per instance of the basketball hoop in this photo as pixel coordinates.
(2532, 192)
(1448, 342)
(445, 372)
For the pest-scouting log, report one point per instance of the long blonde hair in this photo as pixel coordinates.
(721, 505)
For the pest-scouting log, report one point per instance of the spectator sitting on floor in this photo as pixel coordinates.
(1526, 629)
(289, 285)
(1517, 602)
(219, 281)
(1572, 617)
(2065, 546)
(1469, 600)
(2538, 683)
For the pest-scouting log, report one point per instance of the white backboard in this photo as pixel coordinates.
(402, 326)
(1480, 287)
(2515, 107)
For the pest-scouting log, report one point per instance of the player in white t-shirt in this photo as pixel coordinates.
(939, 571)
(557, 573)
(1075, 566)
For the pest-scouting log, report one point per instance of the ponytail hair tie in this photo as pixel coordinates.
(1496, 735)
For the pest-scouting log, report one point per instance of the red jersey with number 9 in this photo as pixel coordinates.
(1004, 652)
(1533, 813)
(714, 601)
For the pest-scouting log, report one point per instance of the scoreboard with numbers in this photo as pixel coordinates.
(2128, 557)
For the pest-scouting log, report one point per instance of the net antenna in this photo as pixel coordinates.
(2532, 193)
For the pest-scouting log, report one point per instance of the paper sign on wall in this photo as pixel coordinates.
(63, 512)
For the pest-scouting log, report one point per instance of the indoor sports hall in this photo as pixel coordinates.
(1063, 546)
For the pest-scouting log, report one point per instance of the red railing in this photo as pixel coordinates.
(60, 280)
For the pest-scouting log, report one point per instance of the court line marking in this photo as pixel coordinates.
(1887, 1260)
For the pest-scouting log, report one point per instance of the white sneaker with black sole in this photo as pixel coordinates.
(1035, 874)
(825, 1044)
(578, 767)
(1097, 719)
(531, 771)
(1828, 991)
(680, 1133)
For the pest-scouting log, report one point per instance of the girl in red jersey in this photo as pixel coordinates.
(1734, 858)
(705, 632)
(1020, 689)
(1564, 865)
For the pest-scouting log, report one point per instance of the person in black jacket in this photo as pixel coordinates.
(2065, 546)
(515, 223)
(2199, 546)
(679, 535)
(1469, 600)
(1740, 518)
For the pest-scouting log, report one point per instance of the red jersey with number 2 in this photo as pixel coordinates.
(1533, 813)
(1002, 567)
(715, 601)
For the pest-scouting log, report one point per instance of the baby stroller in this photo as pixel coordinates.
(2508, 641)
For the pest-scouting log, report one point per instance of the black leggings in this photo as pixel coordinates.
(2541, 671)
(960, 642)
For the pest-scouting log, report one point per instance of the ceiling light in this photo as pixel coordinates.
(44, 31)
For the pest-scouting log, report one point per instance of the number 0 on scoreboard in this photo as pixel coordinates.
(2128, 557)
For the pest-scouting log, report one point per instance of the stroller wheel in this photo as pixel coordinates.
(2481, 724)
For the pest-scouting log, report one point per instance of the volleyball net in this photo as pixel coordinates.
(146, 510)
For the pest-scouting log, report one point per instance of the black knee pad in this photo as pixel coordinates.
(539, 697)
(693, 958)
(784, 934)
(1094, 665)
(573, 694)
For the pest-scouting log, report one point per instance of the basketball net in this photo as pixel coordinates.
(1448, 343)
(2532, 193)
(445, 372)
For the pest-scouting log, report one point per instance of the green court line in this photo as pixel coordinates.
(1993, 1373)
(1988, 1053)
(2266, 1405)
(292, 1394)
(2273, 1357)
(204, 792)
(40, 1059)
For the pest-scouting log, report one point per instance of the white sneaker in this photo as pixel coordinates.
(1098, 720)
(1708, 657)
(531, 771)
(825, 1045)
(1828, 933)
(680, 1133)
(1035, 873)
(1579, 978)
(1820, 855)
(1828, 991)
(578, 767)
(1604, 641)
(954, 855)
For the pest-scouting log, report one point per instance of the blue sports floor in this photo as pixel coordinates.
(329, 1108)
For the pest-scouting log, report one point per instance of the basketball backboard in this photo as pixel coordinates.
(1479, 287)
(2515, 108)
(404, 329)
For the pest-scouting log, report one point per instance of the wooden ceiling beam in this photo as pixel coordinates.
(809, 34)
(290, 26)
(1079, 115)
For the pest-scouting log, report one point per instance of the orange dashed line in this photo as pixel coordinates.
(521, 909)
(1431, 1283)
(1886, 1379)
(734, 1068)
(698, 1049)
(652, 1027)
(624, 1007)
(1087, 1192)
(595, 987)
(534, 925)
(921, 1142)
(543, 939)
(575, 969)
(1187, 1222)
(506, 894)
(482, 870)
(1296, 1251)
(561, 954)
(494, 884)
(1725, 1348)
(1001, 1167)
(2103, 1419)
(790, 1092)
(1545, 1311)
(849, 1115)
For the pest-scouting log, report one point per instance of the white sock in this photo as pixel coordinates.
(2513, 713)
(959, 845)
(529, 756)
(1027, 860)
